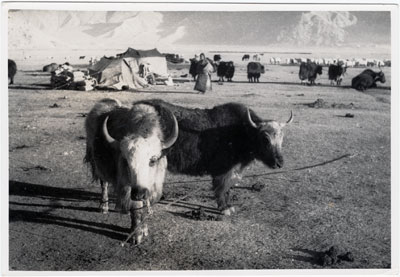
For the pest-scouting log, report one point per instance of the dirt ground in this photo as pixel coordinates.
(287, 223)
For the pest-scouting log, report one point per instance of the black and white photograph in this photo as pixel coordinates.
(195, 137)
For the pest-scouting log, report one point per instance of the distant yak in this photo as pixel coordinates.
(12, 70)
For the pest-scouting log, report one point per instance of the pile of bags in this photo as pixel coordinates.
(65, 78)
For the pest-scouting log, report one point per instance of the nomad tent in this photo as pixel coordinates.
(153, 59)
(117, 73)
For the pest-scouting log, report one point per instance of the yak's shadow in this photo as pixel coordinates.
(22, 211)
(47, 192)
(111, 231)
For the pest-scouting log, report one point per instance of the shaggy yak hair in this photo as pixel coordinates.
(124, 148)
(367, 79)
(308, 71)
(220, 142)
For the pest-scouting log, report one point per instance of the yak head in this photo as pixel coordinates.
(141, 164)
(319, 69)
(381, 77)
(269, 137)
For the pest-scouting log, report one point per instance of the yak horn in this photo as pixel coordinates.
(113, 142)
(289, 121)
(252, 123)
(173, 137)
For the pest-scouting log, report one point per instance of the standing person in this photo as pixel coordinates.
(204, 68)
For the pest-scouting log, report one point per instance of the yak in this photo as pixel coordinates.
(308, 71)
(193, 68)
(225, 69)
(336, 73)
(221, 142)
(12, 70)
(50, 67)
(217, 58)
(124, 147)
(245, 57)
(230, 71)
(254, 71)
(367, 79)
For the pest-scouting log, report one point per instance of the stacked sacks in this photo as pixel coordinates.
(65, 78)
(62, 77)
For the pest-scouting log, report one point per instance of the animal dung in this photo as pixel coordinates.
(349, 115)
(257, 186)
(55, 105)
(332, 257)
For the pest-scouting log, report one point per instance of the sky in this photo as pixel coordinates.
(75, 29)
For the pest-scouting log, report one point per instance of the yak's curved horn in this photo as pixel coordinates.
(289, 121)
(113, 142)
(252, 123)
(174, 135)
(291, 118)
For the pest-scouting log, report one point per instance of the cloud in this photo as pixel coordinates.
(319, 29)
(75, 29)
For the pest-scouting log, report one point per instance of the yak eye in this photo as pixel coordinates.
(153, 161)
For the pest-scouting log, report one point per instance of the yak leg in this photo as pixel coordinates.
(221, 185)
(141, 229)
(104, 197)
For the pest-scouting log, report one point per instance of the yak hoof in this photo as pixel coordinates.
(145, 230)
(141, 233)
(104, 207)
(138, 239)
(149, 209)
(229, 211)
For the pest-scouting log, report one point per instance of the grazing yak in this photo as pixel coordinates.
(124, 147)
(308, 71)
(225, 69)
(336, 73)
(254, 71)
(12, 70)
(221, 142)
(367, 79)
(245, 57)
(50, 67)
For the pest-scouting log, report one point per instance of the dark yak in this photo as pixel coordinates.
(246, 57)
(193, 68)
(124, 147)
(336, 73)
(50, 67)
(230, 71)
(225, 69)
(254, 71)
(367, 79)
(308, 71)
(217, 58)
(221, 142)
(12, 70)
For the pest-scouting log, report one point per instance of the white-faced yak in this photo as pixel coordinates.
(367, 79)
(221, 142)
(124, 147)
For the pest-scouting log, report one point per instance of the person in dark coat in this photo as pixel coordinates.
(204, 69)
